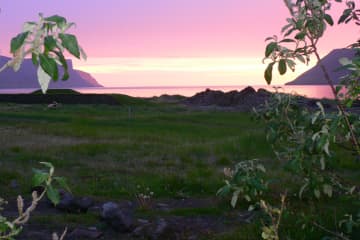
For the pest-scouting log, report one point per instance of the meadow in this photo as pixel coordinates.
(107, 152)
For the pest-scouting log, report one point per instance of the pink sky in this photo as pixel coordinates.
(169, 42)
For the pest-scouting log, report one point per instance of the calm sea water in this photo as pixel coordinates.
(317, 91)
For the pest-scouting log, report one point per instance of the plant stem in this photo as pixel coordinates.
(6, 65)
(337, 100)
(340, 236)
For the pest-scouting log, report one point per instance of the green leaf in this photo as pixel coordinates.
(322, 163)
(49, 43)
(234, 198)
(302, 189)
(326, 147)
(300, 36)
(59, 20)
(53, 195)
(299, 24)
(300, 58)
(44, 79)
(344, 61)
(270, 48)
(70, 42)
(63, 64)
(268, 73)
(289, 32)
(224, 190)
(329, 19)
(317, 193)
(34, 59)
(287, 40)
(328, 190)
(18, 41)
(291, 64)
(282, 66)
(83, 54)
(62, 183)
(39, 178)
(261, 168)
(47, 164)
(345, 15)
(49, 66)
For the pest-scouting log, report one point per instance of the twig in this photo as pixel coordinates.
(337, 100)
(331, 232)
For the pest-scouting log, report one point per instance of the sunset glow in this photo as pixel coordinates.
(193, 71)
(162, 42)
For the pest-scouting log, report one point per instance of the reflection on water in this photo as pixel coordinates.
(314, 91)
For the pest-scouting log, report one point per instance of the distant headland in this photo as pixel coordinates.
(315, 76)
(26, 77)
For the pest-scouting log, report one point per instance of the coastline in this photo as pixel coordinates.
(313, 91)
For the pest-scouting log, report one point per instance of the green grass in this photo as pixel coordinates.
(106, 151)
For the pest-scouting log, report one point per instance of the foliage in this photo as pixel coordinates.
(307, 24)
(46, 180)
(46, 41)
(9, 229)
(245, 181)
(349, 90)
(271, 231)
(303, 139)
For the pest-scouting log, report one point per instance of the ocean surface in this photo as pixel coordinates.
(312, 91)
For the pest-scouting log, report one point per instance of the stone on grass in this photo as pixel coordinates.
(121, 220)
(82, 233)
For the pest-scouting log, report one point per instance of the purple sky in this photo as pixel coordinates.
(110, 30)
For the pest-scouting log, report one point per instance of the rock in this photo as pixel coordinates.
(161, 229)
(14, 184)
(83, 204)
(163, 206)
(143, 221)
(247, 91)
(245, 99)
(142, 230)
(108, 210)
(81, 233)
(264, 92)
(155, 230)
(68, 203)
(94, 210)
(36, 235)
(120, 220)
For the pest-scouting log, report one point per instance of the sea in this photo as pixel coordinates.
(311, 91)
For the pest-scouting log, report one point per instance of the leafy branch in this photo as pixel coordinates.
(46, 41)
(307, 24)
(9, 229)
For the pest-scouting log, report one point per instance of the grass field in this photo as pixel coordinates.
(107, 151)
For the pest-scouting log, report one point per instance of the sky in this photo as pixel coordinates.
(170, 42)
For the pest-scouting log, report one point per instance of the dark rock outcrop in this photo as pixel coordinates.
(244, 99)
(315, 76)
(26, 77)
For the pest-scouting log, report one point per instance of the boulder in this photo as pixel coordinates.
(121, 220)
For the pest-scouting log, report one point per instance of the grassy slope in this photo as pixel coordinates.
(106, 151)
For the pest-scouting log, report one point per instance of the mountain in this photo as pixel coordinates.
(26, 77)
(315, 76)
